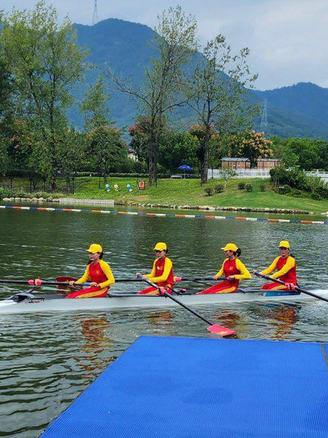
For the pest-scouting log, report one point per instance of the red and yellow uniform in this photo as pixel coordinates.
(162, 275)
(229, 267)
(100, 273)
(286, 271)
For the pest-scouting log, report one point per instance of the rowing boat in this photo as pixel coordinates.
(35, 302)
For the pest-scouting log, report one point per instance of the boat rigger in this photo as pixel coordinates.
(37, 302)
(205, 388)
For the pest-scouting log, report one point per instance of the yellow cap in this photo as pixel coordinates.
(284, 244)
(230, 247)
(160, 246)
(95, 248)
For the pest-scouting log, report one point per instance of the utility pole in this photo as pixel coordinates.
(95, 14)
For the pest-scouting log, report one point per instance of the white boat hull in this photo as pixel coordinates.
(111, 303)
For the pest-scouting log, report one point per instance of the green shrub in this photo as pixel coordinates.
(249, 187)
(219, 188)
(262, 188)
(297, 193)
(322, 192)
(241, 186)
(316, 196)
(294, 177)
(209, 191)
(284, 190)
(4, 193)
(21, 194)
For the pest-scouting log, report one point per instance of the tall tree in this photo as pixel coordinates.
(4, 105)
(105, 152)
(217, 94)
(177, 148)
(93, 107)
(46, 62)
(161, 91)
(6, 92)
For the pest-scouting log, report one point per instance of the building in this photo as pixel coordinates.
(267, 163)
(236, 163)
(132, 155)
(242, 168)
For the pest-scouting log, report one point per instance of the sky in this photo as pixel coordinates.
(287, 39)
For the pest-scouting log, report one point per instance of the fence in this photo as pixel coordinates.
(241, 173)
(263, 173)
(318, 174)
(23, 185)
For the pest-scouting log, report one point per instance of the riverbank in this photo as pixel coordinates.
(189, 194)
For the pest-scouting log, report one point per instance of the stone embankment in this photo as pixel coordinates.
(211, 208)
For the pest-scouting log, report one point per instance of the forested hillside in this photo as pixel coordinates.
(296, 111)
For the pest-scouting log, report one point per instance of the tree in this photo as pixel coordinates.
(140, 137)
(177, 148)
(249, 144)
(72, 155)
(226, 174)
(93, 106)
(19, 146)
(217, 94)
(161, 91)
(6, 90)
(106, 152)
(46, 62)
(308, 154)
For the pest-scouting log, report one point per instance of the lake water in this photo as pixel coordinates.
(47, 360)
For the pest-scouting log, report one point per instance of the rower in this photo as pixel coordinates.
(285, 265)
(232, 268)
(98, 272)
(161, 274)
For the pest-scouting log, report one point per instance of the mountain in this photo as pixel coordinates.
(125, 47)
(297, 111)
(300, 110)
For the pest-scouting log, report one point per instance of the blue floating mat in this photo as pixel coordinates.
(165, 387)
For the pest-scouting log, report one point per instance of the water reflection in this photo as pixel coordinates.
(227, 318)
(282, 317)
(161, 318)
(95, 341)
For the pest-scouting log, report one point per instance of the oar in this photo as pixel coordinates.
(40, 282)
(276, 280)
(213, 328)
(62, 282)
(198, 278)
(117, 280)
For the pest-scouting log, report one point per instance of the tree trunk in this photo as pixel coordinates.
(53, 185)
(153, 153)
(203, 158)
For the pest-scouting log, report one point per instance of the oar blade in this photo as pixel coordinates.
(220, 330)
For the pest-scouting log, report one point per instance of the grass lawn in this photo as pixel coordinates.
(189, 192)
(182, 192)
